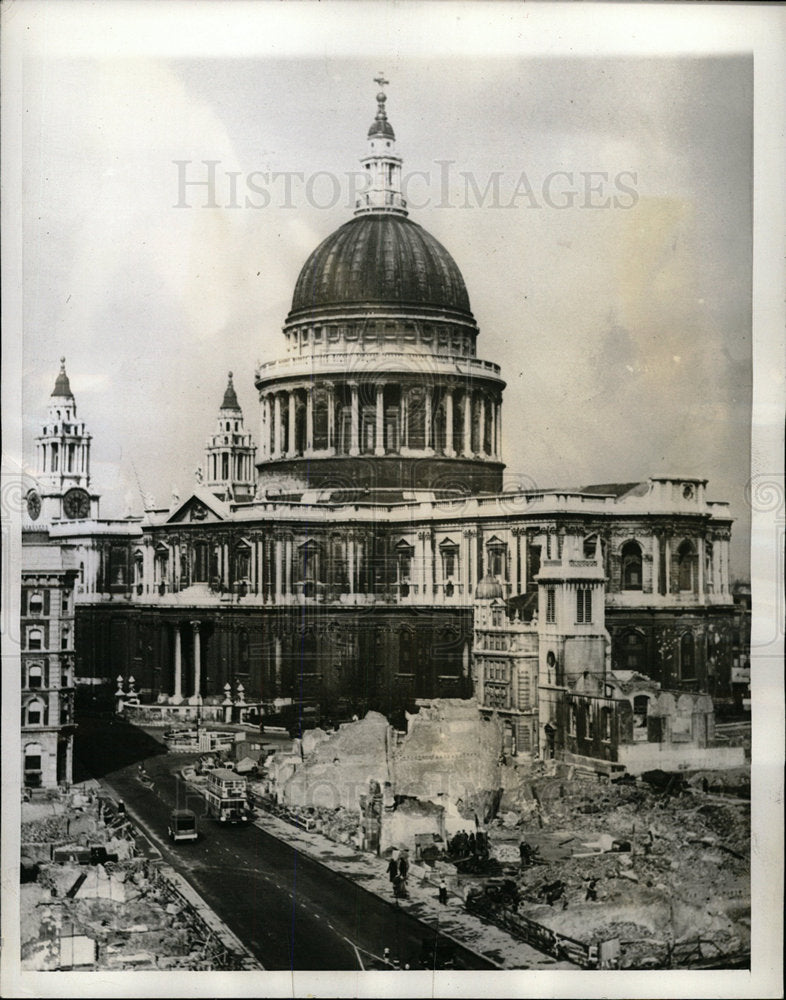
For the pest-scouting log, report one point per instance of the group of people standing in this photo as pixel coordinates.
(398, 869)
(471, 844)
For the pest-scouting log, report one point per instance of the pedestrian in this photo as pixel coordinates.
(472, 843)
(392, 869)
(386, 956)
(443, 892)
(403, 866)
(592, 892)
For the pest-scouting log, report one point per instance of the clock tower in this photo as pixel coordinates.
(63, 462)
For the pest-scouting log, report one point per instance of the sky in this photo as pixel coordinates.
(620, 315)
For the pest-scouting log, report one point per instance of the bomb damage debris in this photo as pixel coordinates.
(651, 871)
(96, 896)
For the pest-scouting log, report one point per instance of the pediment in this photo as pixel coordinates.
(199, 508)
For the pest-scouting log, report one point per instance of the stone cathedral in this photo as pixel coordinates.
(333, 555)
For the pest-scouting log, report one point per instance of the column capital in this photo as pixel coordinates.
(195, 625)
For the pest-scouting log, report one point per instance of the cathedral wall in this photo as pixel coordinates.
(345, 659)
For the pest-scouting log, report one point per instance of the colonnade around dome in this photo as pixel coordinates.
(397, 417)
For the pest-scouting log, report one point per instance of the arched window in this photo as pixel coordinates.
(35, 713)
(33, 757)
(54, 453)
(35, 638)
(36, 603)
(687, 656)
(631, 566)
(35, 675)
(685, 566)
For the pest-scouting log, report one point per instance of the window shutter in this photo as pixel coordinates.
(46, 602)
(24, 601)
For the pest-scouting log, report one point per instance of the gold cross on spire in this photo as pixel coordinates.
(381, 80)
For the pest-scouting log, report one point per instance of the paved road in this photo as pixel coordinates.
(291, 912)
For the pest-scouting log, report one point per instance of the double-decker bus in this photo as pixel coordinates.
(227, 796)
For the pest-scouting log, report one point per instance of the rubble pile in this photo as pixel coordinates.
(124, 908)
(88, 900)
(622, 861)
(451, 757)
(336, 767)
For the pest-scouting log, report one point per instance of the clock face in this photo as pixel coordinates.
(688, 492)
(76, 503)
(33, 505)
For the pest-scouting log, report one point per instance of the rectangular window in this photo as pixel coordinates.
(583, 606)
(551, 609)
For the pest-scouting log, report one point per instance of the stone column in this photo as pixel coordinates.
(277, 425)
(380, 415)
(292, 408)
(467, 443)
(354, 446)
(716, 575)
(310, 420)
(351, 563)
(700, 568)
(197, 663)
(655, 564)
(288, 565)
(331, 442)
(428, 437)
(523, 560)
(482, 422)
(266, 426)
(279, 555)
(449, 450)
(177, 695)
(725, 566)
(667, 565)
(514, 560)
(277, 663)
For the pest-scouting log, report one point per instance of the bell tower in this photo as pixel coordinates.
(62, 460)
(230, 452)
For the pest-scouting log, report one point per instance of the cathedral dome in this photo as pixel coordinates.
(380, 259)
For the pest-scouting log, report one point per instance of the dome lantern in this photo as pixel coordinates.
(381, 167)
